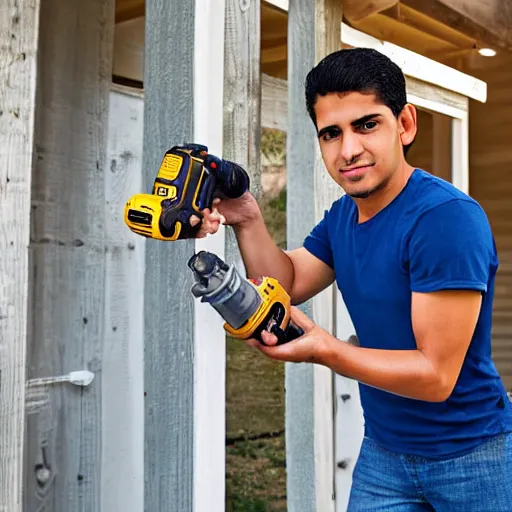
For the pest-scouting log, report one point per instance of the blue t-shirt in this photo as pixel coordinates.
(430, 237)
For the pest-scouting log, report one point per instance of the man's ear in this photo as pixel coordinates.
(408, 126)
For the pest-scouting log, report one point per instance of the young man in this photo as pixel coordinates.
(415, 261)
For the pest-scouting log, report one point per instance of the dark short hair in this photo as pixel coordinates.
(362, 70)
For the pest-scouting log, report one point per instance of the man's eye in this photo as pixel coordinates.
(330, 135)
(370, 125)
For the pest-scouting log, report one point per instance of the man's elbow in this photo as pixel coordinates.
(440, 389)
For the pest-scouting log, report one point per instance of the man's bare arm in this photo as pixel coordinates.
(299, 272)
(443, 324)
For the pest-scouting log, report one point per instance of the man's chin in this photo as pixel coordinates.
(364, 193)
(360, 195)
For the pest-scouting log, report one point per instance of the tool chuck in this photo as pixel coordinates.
(221, 285)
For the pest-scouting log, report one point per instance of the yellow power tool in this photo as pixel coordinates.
(182, 188)
(249, 306)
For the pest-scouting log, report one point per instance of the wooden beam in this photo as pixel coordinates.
(184, 340)
(123, 356)
(314, 31)
(488, 21)
(19, 23)
(242, 95)
(419, 67)
(274, 103)
(64, 436)
(427, 25)
(357, 10)
(129, 9)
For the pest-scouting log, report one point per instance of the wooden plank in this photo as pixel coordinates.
(123, 368)
(314, 31)
(184, 340)
(18, 64)
(63, 440)
(460, 153)
(417, 66)
(168, 311)
(129, 9)
(300, 209)
(488, 21)
(436, 94)
(357, 10)
(274, 103)
(209, 335)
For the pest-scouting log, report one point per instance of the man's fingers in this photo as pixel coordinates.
(194, 220)
(269, 338)
(301, 319)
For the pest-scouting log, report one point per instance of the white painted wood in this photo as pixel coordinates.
(280, 4)
(209, 335)
(418, 66)
(349, 421)
(435, 106)
(460, 153)
(122, 468)
(19, 24)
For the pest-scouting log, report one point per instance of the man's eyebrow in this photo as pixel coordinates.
(355, 124)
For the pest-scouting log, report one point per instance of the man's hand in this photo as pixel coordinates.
(443, 324)
(311, 347)
(235, 206)
(231, 212)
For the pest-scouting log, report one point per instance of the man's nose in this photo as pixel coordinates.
(351, 147)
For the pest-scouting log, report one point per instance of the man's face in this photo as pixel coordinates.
(359, 140)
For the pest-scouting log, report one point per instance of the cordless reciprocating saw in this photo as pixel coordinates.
(187, 182)
(248, 306)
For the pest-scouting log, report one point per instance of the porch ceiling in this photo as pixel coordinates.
(439, 29)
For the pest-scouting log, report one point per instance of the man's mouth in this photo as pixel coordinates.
(355, 171)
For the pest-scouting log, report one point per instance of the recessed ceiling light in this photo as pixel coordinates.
(487, 52)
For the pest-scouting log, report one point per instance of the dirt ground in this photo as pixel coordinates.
(255, 442)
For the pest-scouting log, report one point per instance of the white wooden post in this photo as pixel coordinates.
(19, 21)
(184, 340)
(123, 356)
(210, 337)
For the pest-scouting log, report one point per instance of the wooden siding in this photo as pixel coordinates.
(491, 185)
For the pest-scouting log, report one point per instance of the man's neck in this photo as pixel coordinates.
(370, 206)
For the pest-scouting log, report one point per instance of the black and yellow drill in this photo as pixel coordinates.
(249, 306)
(182, 188)
(187, 182)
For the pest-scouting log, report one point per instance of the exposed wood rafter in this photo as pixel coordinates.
(489, 21)
(357, 10)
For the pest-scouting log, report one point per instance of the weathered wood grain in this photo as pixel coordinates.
(313, 32)
(168, 306)
(63, 441)
(122, 467)
(18, 64)
(242, 98)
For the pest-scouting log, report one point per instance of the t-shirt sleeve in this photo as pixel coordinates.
(318, 242)
(451, 247)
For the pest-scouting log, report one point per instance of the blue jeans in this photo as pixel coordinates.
(479, 481)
